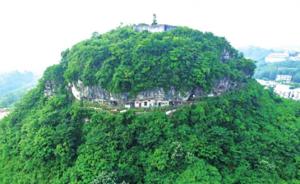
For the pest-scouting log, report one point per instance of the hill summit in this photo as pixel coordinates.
(149, 66)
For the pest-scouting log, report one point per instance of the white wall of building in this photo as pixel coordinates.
(150, 103)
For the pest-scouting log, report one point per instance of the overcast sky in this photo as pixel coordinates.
(34, 32)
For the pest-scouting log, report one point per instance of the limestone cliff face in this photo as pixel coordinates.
(95, 93)
(98, 94)
(161, 94)
(223, 85)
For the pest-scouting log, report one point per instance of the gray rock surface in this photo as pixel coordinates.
(98, 94)
(49, 89)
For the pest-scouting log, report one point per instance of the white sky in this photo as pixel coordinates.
(34, 32)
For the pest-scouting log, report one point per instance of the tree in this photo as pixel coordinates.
(200, 173)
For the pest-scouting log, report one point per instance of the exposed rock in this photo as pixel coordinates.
(3, 113)
(226, 55)
(161, 94)
(223, 85)
(49, 89)
(98, 94)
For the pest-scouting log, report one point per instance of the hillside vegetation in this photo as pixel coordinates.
(125, 60)
(248, 135)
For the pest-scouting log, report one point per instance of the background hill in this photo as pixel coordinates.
(14, 85)
(269, 71)
(256, 53)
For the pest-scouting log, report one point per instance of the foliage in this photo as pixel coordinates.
(125, 60)
(244, 136)
(200, 172)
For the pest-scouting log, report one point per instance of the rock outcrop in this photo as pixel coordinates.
(223, 85)
(95, 93)
(50, 88)
(99, 95)
(3, 112)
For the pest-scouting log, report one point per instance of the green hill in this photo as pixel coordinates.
(246, 135)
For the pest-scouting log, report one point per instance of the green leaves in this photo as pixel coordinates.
(201, 173)
(127, 61)
(243, 136)
(159, 159)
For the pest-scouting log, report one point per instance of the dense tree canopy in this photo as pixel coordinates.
(248, 135)
(125, 60)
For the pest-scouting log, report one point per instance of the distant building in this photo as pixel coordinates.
(284, 78)
(153, 28)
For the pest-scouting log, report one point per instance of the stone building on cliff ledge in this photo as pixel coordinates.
(154, 27)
